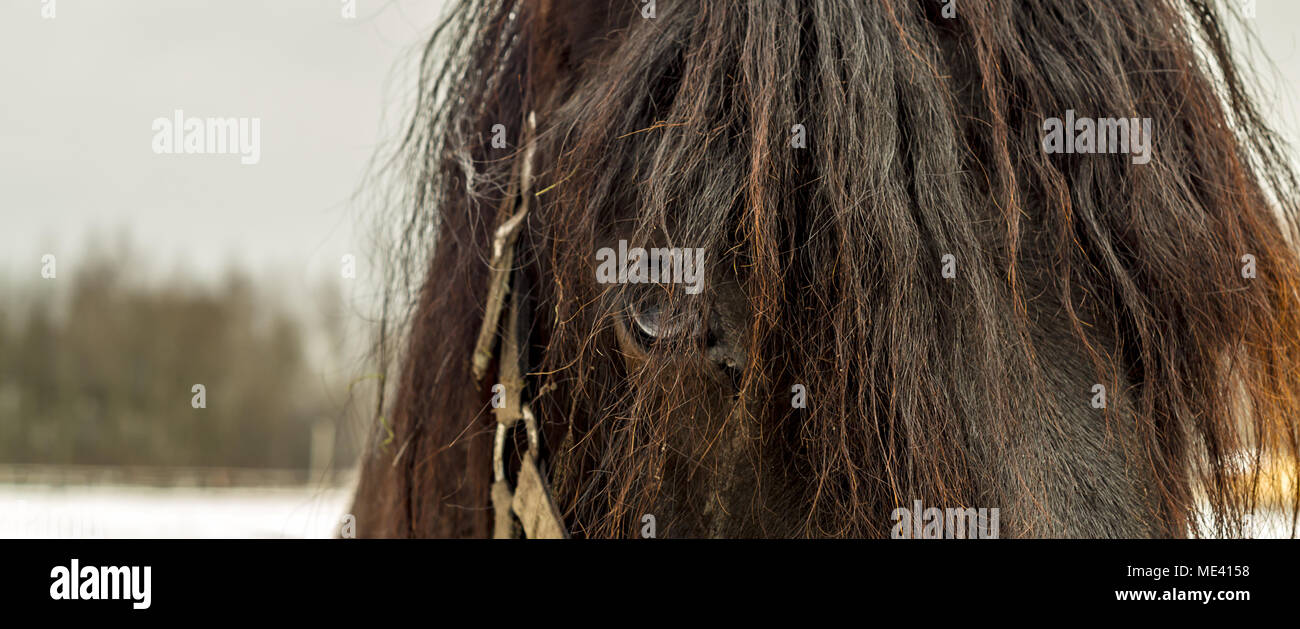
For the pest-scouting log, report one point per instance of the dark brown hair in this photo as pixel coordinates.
(924, 139)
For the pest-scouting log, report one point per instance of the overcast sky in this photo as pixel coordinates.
(80, 93)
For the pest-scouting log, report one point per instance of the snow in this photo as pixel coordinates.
(119, 511)
(108, 511)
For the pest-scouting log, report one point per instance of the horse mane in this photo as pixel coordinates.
(924, 140)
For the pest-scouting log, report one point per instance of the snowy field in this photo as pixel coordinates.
(110, 511)
(94, 511)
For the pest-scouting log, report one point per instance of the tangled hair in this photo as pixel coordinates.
(924, 139)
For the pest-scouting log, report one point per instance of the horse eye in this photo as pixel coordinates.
(651, 321)
(646, 317)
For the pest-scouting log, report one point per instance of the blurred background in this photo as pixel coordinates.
(171, 271)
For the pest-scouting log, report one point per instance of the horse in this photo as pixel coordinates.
(922, 279)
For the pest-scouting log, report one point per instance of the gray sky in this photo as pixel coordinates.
(1274, 50)
(81, 91)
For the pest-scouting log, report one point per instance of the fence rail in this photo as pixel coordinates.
(80, 475)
